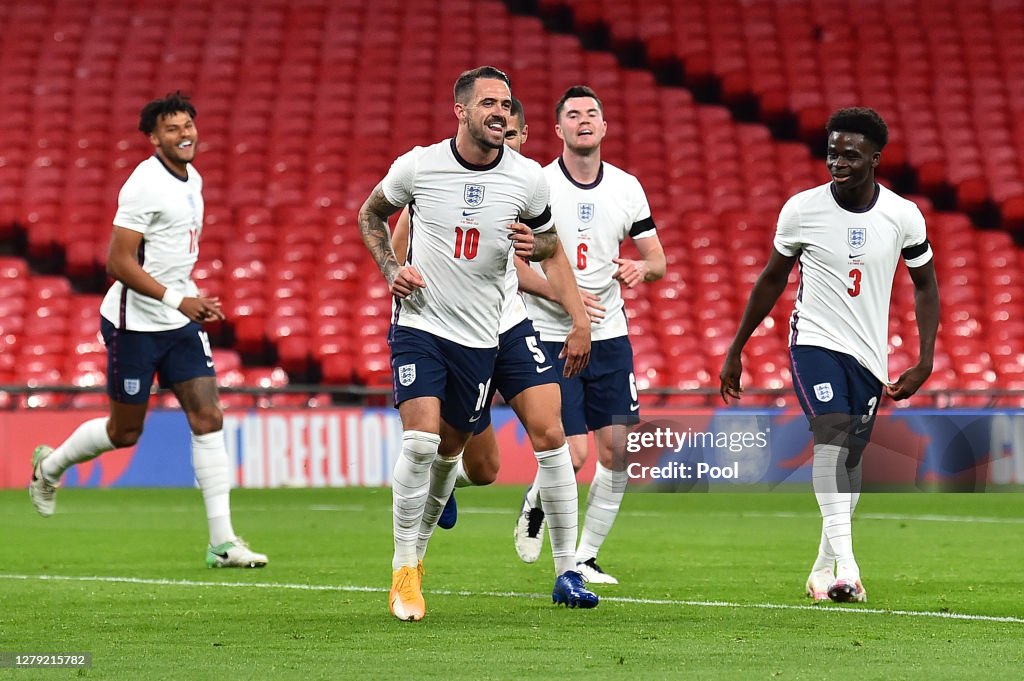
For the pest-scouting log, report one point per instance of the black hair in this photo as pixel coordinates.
(576, 91)
(173, 103)
(467, 79)
(518, 111)
(860, 119)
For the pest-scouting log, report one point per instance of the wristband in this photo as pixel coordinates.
(172, 298)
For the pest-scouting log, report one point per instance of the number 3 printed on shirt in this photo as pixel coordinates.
(855, 276)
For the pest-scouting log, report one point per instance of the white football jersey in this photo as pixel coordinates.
(168, 211)
(592, 220)
(847, 263)
(458, 236)
(514, 308)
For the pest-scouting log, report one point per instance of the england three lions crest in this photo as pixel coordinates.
(474, 195)
(585, 211)
(407, 374)
(857, 236)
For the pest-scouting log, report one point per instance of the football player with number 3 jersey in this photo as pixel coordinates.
(469, 197)
(151, 320)
(848, 236)
(597, 206)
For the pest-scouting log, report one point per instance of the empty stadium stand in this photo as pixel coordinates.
(302, 106)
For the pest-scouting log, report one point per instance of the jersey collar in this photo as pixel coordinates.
(565, 171)
(472, 166)
(865, 209)
(175, 175)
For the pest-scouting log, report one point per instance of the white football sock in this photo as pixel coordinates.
(556, 487)
(442, 482)
(603, 501)
(213, 473)
(832, 491)
(461, 477)
(533, 494)
(826, 559)
(856, 475)
(409, 483)
(87, 442)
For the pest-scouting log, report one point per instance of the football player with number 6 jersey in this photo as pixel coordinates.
(848, 236)
(596, 207)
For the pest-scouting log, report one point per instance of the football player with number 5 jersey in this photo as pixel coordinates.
(469, 197)
(848, 236)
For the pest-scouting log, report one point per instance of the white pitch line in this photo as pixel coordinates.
(512, 594)
(925, 517)
(481, 510)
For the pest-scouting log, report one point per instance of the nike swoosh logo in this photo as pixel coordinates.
(468, 213)
(209, 363)
(859, 431)
(541, 370)
(476, 419)
(582, 229)
(634, 407)
(220, 555)
(855, 255)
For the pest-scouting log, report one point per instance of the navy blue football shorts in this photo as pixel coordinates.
(830, 382)
(133, 357)
(522, 363)
(604, 393)
(425, 365)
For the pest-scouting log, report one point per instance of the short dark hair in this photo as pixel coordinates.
(577, 91)
(518, 111)
(173, 103)
(467, 79)
(860, 119)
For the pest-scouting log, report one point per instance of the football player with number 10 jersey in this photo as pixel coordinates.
(467, 197)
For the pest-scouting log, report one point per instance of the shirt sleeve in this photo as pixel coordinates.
(916, 249)
(135, 207)
(537, 213)
(399, 183)
(787, 231)
(643, 226)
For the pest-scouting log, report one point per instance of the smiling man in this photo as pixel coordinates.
(475, 204)
(848, 236)
(151, 320)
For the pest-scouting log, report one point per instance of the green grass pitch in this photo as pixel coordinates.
(712, 588)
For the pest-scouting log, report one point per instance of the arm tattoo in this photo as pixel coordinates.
(544, 245)
(374, 228)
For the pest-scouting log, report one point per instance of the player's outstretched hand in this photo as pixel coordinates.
(576, 351)
(732, 369)
(407, 280)
(201, 309)
(594, 307)
(521, 237)
(630, 272)
(909, 382)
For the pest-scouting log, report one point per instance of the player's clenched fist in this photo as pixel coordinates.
(406, 281)
(522, 239)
